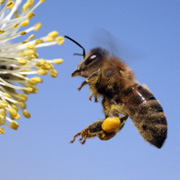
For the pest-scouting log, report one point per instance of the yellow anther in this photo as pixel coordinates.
(3, 112)
(53, 34)
(2, 31)
(2, 130)
(2, 120)
(25, 41)
(12, 112)
(22, 97)
(22, 32)
(37, 79)
(17, 16)
(49, 39)
(21, 55)
(35, 90)
(7, 95)
(25, 23)
(10, 4)
(30, 15)
(29, 89)
(17, 116)
(60, 40)
(47, 66)
(23, 105)
(110, 124)
(41, 62)
(3, 104)
(31, 2)
(29, 52)
(15, 25)
(31, 36)
(57, 61)
(26, 114)
(30, 46)
(14, 125)
(42, 72)
(42, 1)
(35, 55)
(53, 73)
(32, 82)
(26, 6)
(22, 61)
(14, 107)
(37, 26)
(2, 1)
(38, 41)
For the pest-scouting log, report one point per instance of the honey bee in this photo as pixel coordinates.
(110, 79)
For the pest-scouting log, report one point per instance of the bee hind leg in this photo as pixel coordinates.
(96, 129)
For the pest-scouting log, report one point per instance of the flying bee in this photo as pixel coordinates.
(122, 96)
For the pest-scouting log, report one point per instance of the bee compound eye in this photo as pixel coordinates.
(92, 58)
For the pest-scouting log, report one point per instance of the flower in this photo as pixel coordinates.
(19, 62)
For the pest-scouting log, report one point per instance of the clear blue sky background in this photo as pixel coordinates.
(147, 34)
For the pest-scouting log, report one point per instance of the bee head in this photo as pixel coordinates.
(91, 62)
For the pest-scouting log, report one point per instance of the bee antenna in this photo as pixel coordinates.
(77, 44)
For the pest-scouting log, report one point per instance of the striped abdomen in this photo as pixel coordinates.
(146, 113)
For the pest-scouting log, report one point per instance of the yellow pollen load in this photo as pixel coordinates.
(3, 104)
(25, 23)
(26, 114)
(60, 40)
(110, 124)
(22, 97)
(53, 73)
(30, 15)
(22, 61)
(10, 4)
(57, 61)
(2, 130)
(14, 125)
(53, 34)
(12, 112)
(37, 26)
(2, 31)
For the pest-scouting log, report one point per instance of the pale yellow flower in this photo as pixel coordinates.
(20, 60)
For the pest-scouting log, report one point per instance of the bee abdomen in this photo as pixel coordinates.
(147, 115)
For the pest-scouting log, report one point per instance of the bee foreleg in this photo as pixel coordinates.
(82, 84)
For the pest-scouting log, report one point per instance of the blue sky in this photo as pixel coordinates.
(146, 34)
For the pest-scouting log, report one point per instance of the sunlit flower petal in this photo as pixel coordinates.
(19, 62)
